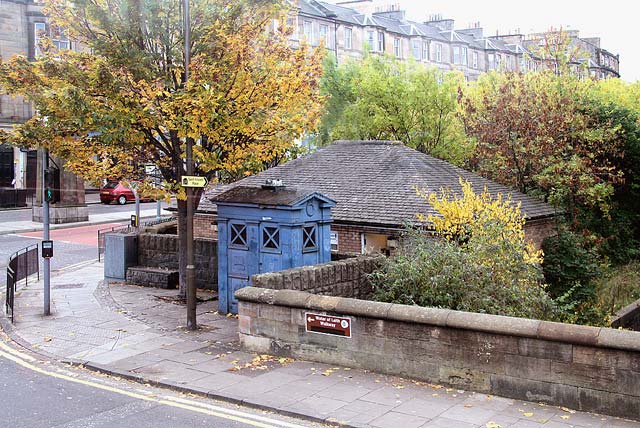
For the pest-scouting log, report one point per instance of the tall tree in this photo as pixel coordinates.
(383, 98)
(533, 133)
(123, 99)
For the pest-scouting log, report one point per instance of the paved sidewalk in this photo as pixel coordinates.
(31, 226)
(139, 332)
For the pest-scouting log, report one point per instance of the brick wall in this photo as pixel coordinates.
(537, 230)
(584, 368)
(156, 250)
(349, 240)
(205, 226)
(345, 278)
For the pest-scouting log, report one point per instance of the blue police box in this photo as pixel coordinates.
(267, 229)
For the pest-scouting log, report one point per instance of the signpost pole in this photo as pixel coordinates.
(45, 235)
(137, 198)
(191, 283)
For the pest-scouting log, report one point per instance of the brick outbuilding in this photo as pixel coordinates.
(374, 185)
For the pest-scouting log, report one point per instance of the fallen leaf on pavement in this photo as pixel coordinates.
(565, 409)
(528, 414)
(493, 425)
(47, 339)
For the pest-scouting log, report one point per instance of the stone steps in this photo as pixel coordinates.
(153, 277)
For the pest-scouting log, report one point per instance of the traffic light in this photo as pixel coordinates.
(49, 186)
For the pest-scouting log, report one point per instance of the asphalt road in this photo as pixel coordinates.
(37, 394)
(71, 245)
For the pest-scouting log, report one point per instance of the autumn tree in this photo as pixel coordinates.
(123, 100)
(533, 133)
(381, 97)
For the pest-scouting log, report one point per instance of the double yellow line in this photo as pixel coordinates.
(28, 361)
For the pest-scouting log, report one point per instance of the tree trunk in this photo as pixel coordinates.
(182, 248)
(182, 240)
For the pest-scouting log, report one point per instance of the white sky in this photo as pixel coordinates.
(614, 21)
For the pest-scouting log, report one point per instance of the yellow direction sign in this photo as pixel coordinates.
(193, 181)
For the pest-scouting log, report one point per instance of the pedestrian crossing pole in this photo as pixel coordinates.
(46, 189)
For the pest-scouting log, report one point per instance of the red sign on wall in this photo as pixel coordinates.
(328, 324)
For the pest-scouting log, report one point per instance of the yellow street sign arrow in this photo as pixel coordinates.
(193, 181)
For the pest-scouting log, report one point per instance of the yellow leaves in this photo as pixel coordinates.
(470, 214)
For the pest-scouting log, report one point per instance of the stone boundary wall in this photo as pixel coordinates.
(344, 278)
(628, 317)
(585, 368)
(161, 251)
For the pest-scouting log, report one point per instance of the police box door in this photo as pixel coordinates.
(239, 261)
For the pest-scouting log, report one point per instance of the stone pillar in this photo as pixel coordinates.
(71, 206)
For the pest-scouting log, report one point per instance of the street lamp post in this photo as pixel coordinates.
(190, 271)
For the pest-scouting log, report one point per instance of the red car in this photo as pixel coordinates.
(115, 191)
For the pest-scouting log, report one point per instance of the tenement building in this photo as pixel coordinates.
(350, 28)
(22, 24)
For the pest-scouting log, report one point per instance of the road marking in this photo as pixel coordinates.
(25, 360)
(16, 352)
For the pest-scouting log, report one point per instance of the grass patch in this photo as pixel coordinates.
(619, 287)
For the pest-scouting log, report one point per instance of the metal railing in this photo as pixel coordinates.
(22, 264)
(124, 229)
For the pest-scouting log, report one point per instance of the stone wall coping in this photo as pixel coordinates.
(351, 260)
(600, 337)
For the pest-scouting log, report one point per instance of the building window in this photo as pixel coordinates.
(456, 55)
(498, 61)
(438, 52)
(396, 47)
(380, 41)
(370, 40)
(308, 30)
(271, 238)
(425, 51)
(238, 234)
(474, 60)
(309, 239)
(334, 241)
(59, 38)
(464, 53)
(39, 31)
(415, 49)
(348, 35)
(491, 61)
(324, 34)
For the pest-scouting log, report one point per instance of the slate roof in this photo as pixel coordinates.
(289, 196)
(374, 182)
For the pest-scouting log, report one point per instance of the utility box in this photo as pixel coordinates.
(120, 252)
(267, 229)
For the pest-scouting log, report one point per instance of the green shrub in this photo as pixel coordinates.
(485, 275)
(569, 261)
